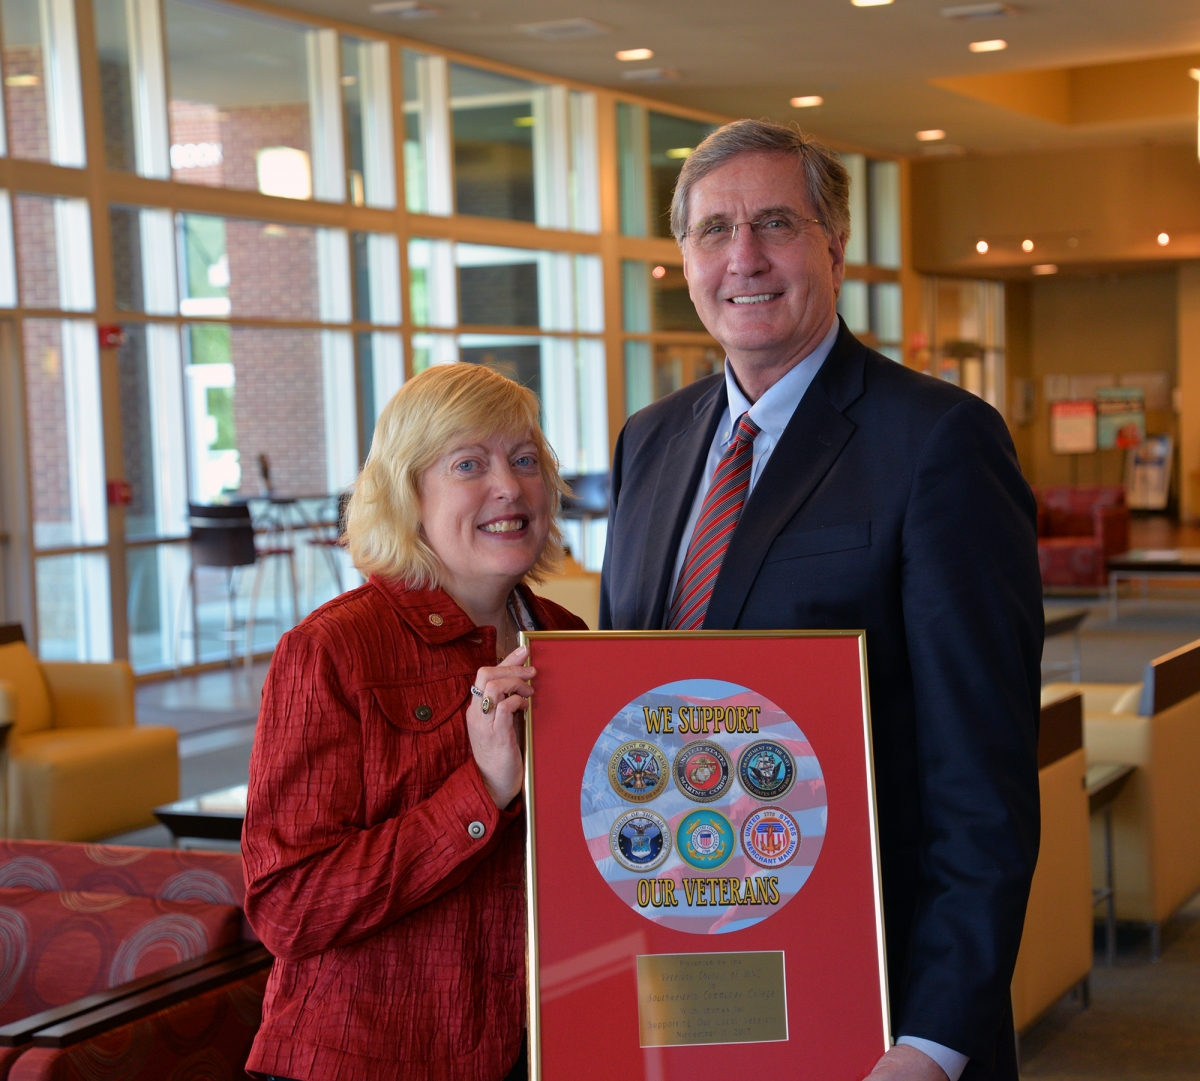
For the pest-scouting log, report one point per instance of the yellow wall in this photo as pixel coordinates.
(1084, 326)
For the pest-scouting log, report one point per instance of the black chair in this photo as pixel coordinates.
(222, 537)
(588, 501)
(11, 632)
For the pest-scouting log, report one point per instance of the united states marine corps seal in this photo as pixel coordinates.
(702, 771)
(637, 771)
(640, 840)
(770, 837)
(766, 769)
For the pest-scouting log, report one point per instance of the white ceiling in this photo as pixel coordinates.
(747, 58)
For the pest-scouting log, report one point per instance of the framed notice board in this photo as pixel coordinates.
(703, 869)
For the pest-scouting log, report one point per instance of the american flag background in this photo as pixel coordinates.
(600, 806)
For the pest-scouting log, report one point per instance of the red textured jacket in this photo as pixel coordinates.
(399, 937)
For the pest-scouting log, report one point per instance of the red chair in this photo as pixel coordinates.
(1079, 530)
(131, 954)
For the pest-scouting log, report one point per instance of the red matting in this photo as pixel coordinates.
(584, 1023)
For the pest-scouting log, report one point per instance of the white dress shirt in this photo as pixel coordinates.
(771, 413)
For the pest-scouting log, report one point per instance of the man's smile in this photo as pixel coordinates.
(756, 298)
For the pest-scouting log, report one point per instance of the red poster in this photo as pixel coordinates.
(703, 865)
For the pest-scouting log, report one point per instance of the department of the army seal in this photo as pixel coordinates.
(705, 839)
(640, 840)
(637, 771)
(766, 769)
(770, 837)
(702, 771)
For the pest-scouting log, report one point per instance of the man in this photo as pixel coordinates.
(818, 484)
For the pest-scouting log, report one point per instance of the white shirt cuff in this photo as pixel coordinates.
(950, 1061)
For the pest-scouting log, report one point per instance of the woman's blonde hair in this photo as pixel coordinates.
(443, 405)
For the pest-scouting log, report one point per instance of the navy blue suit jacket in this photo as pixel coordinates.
(893, 502)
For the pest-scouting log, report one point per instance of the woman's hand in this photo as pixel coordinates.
(494, 740)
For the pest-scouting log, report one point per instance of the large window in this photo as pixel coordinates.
(333, 211)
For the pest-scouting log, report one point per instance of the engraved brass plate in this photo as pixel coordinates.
(698, 998)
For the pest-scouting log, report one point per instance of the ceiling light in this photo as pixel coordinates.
(23, 80)
(1045, 268)
(981, 247)
(523, 121)
(659, 272)
(284, 171)
(978, 11)
(649, 75)
(994, 45)
(406, 9)
(869, 3)
(807, 101)
(930, 135)
(1026, 245)
(565, 30)
(1163, 239)
(678, 153)
(635, 54)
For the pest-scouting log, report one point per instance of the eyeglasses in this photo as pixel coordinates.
(775, 229)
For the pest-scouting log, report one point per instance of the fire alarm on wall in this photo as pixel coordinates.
(112, 336)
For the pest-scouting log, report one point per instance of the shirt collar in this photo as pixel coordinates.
(775, 408)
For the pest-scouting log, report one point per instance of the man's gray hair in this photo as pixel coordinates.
(826, 178)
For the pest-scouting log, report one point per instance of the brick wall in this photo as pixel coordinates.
(28, 129)
(240, 132)
(47, 421)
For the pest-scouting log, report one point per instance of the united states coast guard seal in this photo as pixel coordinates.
(637, 771)
(705, 839)
(766, 770)
(702, 771)
(770, 837)
(640, 840)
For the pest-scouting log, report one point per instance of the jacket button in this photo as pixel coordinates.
(477, 830)
(423, 713)
(435, 619)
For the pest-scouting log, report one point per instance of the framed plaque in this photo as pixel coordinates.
(703, 871)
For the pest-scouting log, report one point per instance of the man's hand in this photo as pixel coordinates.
(905, 1063)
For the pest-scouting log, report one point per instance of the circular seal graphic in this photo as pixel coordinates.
(705, 839)
(637, 771)
(657, 846)
(702, 771)
(640, 840)
(767, 770)
(770, 837)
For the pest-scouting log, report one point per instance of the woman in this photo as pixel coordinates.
(383, 845)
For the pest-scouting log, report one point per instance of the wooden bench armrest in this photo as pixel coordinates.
(21, 1032)
(152, 1000)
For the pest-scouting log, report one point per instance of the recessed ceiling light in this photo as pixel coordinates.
(930, 135)
(635, 54)
(406, 9)
(994, 45)
(659, 272)
(807, 101)
(22, 80)
(1045, 268)
(565, 30)
(869, 3)
(981, 246)
(978, 11)
(1164, 239)
(1026, 245)
(650, 75)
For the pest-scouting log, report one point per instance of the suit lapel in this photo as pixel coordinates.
(678, 478)
(809, 446)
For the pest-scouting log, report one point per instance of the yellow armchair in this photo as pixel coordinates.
(80, 768)
(1154, 726)
(1056, 944)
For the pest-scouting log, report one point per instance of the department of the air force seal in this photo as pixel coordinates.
(640, 840)
(638, 771)
(770, 837)
(702, 771)
(705, 839)
(767, 769)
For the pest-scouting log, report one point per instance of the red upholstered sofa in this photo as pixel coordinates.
(1079, 529)
(132, 956)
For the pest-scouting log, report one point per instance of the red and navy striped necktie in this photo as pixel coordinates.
(718, 518)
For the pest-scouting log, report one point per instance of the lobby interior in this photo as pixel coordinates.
(229, 231)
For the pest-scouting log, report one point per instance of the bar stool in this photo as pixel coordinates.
(327, 541)
(222, 537)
